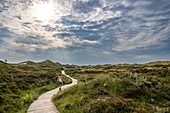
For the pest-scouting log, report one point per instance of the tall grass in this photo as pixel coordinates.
(117, 89)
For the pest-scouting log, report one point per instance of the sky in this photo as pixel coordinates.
(85, 32)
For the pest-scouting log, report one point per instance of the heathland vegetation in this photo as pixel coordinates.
(22, 83)
(123, 88)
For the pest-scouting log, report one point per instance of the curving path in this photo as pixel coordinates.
(44, 104)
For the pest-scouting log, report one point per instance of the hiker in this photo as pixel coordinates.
(60, 81)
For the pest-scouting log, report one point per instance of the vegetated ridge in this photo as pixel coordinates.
(22, 83)
(106, 88)
(122, 88)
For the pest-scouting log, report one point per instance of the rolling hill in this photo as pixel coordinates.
(22, 83)
(123, 88)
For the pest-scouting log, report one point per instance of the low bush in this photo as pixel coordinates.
(21, 84)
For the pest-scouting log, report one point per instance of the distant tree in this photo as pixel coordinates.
(5, 60)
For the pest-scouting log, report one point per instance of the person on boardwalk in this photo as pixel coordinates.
(60, 81)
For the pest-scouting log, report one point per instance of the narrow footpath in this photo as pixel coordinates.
(44, 104)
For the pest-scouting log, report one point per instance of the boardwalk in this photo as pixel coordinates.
(44, 104)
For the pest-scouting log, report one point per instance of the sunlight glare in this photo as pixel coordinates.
(44, 11)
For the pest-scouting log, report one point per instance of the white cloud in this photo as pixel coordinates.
(50, 42)
(56, 43)
(142, 3)
(90, 41)
(10, 52)
(99, 15)
(107, 53)
(24, 12)
(74, 41)
(141, 40)
(2, 49)
(126, 30)
(127, 44)
(144, 56)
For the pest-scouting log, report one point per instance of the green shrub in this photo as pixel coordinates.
(28, 98)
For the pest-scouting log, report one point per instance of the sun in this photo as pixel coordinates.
(44, 11)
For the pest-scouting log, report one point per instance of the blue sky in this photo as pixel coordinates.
(85, 31)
